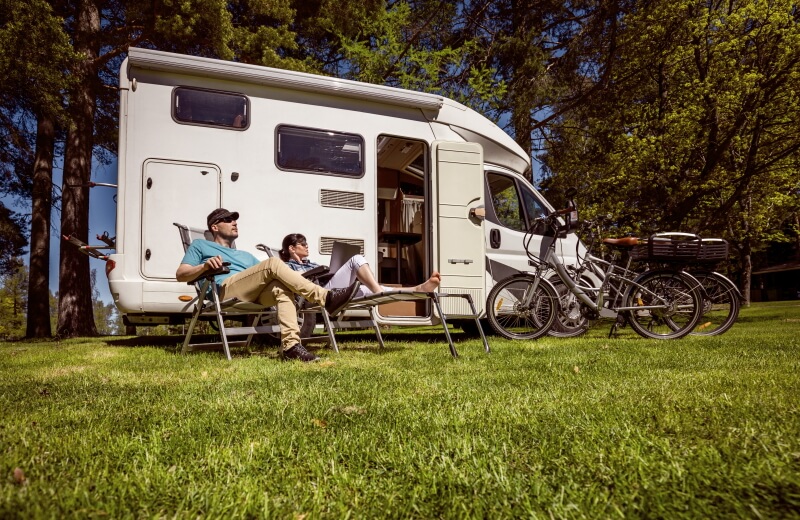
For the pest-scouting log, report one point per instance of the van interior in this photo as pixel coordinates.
(402, 214)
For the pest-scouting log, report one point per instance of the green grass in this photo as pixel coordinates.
(589, 427)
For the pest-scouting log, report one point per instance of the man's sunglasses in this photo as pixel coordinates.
(226, 220)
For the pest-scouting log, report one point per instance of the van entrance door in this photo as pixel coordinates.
(179, 192)
(457, 180)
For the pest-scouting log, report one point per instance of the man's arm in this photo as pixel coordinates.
(187, 272)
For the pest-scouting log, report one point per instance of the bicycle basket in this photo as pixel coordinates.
(664, 247)
(712, 250)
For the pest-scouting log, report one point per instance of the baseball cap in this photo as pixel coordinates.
(220, 214)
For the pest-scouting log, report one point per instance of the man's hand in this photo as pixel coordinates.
(187, 272)
(213, 263)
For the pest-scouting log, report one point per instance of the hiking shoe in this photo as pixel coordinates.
(298, 352)
(337, 299)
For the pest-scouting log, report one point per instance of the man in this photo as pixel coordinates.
(269, 282)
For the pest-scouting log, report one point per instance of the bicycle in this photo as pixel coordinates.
(721, 297)
(659, 303)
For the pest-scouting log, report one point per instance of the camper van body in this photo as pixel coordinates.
(401, 173)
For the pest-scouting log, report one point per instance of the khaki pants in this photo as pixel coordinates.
(273, 283)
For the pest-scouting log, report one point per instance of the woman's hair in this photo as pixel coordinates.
(291, 239)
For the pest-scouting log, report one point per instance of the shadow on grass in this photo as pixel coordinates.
(365, 341)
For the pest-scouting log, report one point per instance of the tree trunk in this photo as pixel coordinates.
(38, 319)
(747, 271)
(797, 238)
(75, 316)
(518, 93)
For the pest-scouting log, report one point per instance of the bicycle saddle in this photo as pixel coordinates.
(622, 242)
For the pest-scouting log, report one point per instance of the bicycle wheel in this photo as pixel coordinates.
(669, 305)
(720, 305)
(518, 311)
(569, 322)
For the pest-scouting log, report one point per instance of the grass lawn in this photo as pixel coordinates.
(703, 427)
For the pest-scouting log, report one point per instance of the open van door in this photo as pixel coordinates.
(457, 181)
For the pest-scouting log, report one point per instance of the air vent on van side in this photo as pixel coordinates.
(341, 199)
(326, 244)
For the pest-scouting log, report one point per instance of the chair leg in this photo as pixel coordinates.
(221, 320)
(253, 324)
(197, 310)
(435, 299)
(477, 322)
(376, 326)
(329, 327)
(189, 332)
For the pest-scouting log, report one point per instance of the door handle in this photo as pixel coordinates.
(494, 238)
(478, 213)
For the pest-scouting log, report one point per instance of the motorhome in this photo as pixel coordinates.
(418, 181)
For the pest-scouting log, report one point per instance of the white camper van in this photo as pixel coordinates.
(402, 174)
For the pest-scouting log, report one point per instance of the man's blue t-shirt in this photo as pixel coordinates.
(201, 250)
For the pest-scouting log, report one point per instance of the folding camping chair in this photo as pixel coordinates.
(371, 303)
(339, 255)
(209, 305)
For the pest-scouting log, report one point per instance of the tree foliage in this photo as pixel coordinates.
(34, 54)
(13, 302)
(691, 126)
(12, 242)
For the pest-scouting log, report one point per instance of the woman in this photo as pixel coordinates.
(294, 251)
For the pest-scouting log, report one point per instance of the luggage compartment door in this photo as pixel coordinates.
(457, 180)
(173, 191)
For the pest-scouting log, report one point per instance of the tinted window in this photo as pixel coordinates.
(505, 201)
(320, 151)
(515, 206)
(533, 208)
(212, 108)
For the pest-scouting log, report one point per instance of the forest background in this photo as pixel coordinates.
(666, 114)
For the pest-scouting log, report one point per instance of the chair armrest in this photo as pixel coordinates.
(271, 251)
(211, 274)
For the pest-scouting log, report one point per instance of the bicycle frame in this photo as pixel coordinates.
(658, 304)
(612, 273)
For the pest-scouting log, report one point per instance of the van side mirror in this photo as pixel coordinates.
(571, 218)
(573, 215)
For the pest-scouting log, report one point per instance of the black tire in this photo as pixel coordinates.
(511, 318)
(570, 322)
(720, 304)
(672, 320)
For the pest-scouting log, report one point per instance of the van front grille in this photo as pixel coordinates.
(341, 199)
(326, 244)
